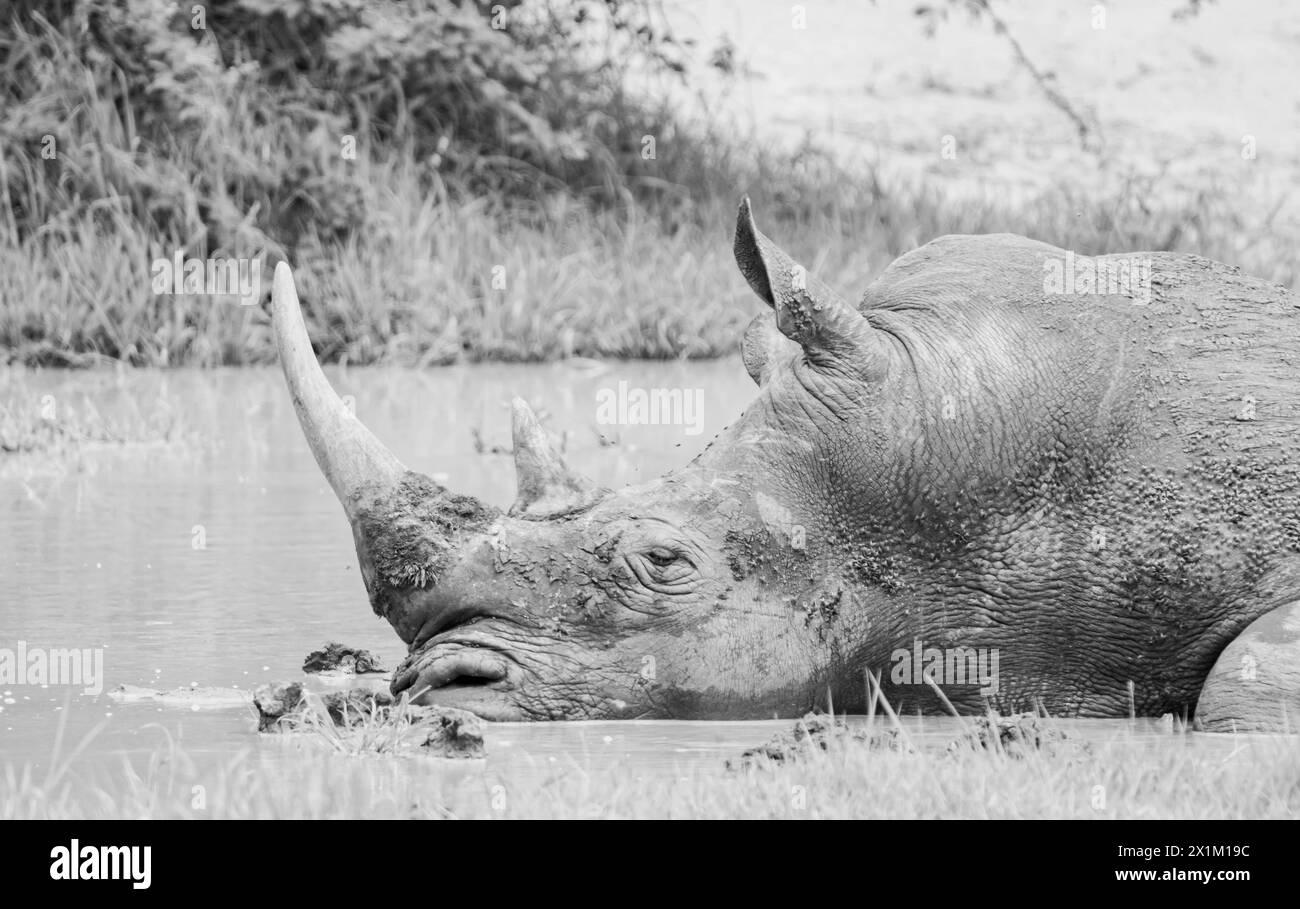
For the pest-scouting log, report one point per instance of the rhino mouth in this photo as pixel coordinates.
(444, 667)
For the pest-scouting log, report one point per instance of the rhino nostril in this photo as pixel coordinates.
(436, 621)
(470, 680)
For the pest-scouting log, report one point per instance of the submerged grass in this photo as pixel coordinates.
(57, 425)
(26, 428)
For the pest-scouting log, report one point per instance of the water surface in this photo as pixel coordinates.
(220, 558)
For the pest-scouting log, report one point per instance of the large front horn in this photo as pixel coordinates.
(356, 464)
(546, 486)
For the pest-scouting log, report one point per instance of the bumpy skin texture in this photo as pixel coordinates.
(1105, 491)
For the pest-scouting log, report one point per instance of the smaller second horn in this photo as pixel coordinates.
(547, 488)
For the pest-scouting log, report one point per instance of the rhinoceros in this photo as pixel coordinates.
(982, 487)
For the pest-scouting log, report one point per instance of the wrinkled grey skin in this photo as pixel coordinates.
(1079, 482)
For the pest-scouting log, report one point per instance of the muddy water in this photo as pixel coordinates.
(219, 558)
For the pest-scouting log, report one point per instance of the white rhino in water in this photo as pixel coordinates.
(1022, 485)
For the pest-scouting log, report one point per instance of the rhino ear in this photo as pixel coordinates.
(832, 333)
(764, 349)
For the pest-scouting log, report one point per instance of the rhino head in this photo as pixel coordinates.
(733, 587)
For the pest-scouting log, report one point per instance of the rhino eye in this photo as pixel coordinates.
(661, 556)
(664, 569)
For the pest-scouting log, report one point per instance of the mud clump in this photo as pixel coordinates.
(1015, 736)
(814, 733)
(274, 702)
(281, 707)
(438, 731)
(744, 553)
(455, 733)
(336, 657)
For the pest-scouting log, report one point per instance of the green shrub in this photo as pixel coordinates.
(231, 127)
